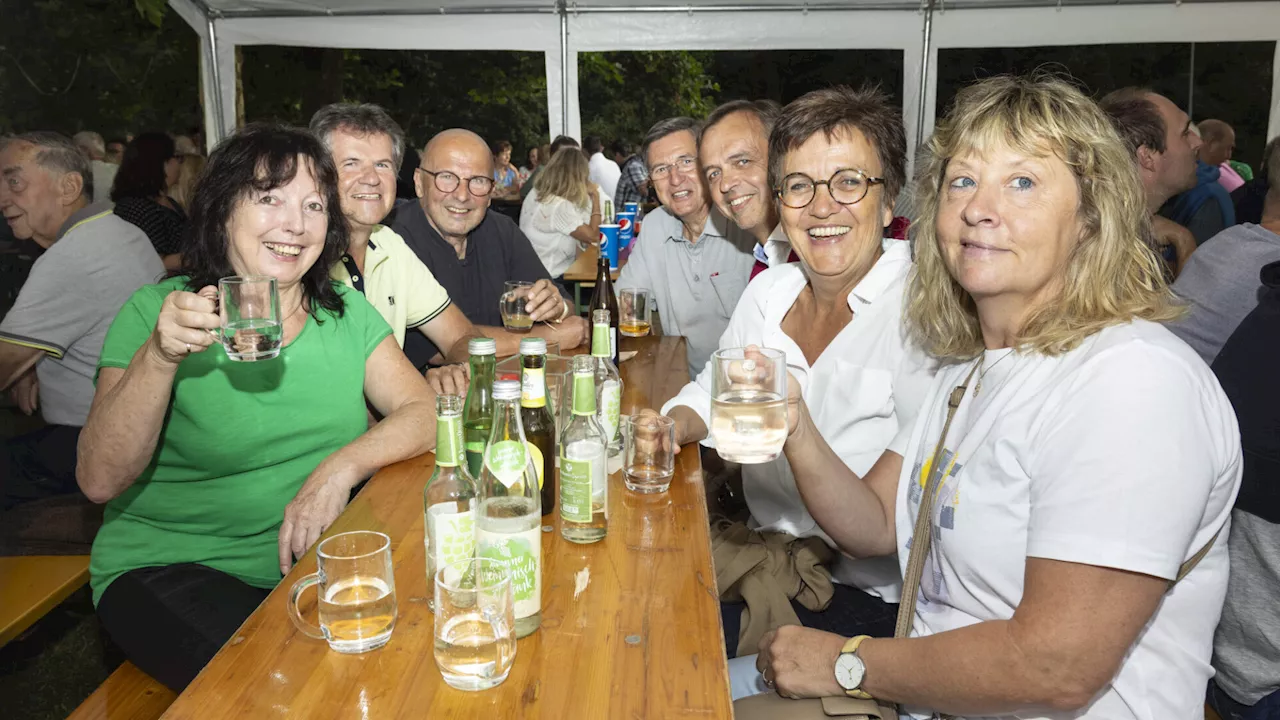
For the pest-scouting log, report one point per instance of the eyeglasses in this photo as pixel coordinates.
(847, 187)
(684, 164)
(447, 182)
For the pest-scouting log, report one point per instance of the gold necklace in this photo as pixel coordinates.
(982, 361)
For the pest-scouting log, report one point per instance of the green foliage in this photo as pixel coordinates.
(622, 94)
(152, 10)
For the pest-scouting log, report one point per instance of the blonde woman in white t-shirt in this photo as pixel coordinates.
(561, 216)
(1091, 455)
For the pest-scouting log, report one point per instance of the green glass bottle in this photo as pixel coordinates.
(449, 499)
(477, 415)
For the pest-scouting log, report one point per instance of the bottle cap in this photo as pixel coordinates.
(482, 346)
(533, 346)
(506, 390)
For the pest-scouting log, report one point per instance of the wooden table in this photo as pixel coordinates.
(32, 585)
(641, 638)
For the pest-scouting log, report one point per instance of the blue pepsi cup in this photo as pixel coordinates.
(626, 228)
(609, 244)
(631, 208)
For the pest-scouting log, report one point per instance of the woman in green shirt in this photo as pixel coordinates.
(217, 474)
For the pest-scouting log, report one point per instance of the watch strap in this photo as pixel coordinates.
(851, 647)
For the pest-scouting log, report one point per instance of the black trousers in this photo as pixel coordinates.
(38, 465)
(851, 612)
(170, 621)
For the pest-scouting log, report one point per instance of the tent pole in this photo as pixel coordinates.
(924, 70)
(1191, 86)
(564, 67)
(219, 129)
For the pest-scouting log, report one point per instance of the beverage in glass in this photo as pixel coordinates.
(477, 413)
(584, 460)
(250, 309)
(650, 459)
(637, 307)
(749, 404)
(357, 592)
(509, 520)
(449, 498)
(535, 415)
(514, 306)
(475, 642)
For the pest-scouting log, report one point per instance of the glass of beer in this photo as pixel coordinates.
(514, 306)
(635, 308)
(749, 403)
(650, 458)
(474, 624)
(357, 592)
(250, 310)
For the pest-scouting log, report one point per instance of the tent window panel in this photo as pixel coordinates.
(1233, 84)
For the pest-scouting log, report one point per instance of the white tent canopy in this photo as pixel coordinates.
(561, 30)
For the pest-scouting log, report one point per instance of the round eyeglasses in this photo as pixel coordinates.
(447, 182)
(847, 187)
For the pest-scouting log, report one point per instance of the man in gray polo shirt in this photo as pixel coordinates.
(51, 338)
(695, 261)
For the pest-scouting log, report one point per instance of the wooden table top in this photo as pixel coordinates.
(32, 585)
(583, 268)
(641, 637)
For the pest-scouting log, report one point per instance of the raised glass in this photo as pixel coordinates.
(251, 324)
(749, 403)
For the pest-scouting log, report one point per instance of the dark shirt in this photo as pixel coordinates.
(1249, 199)
(162, 225)
(496, 252)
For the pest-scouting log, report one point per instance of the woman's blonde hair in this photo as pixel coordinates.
(565, 176)
(188, 172)
(1113, 275)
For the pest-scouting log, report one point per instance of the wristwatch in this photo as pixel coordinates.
(849, 669)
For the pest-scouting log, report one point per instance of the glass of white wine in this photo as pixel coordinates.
(357, 592)
(475, 637)
(749, 403)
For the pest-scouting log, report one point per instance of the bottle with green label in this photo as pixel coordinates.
(477, 414)
(584, 478)
(608, 382)
(535, 416)
(509, 519)
(449, 499)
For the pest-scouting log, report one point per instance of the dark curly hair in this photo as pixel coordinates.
(141, 173)
(261, 157)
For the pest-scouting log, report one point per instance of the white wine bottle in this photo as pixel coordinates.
(608, 382)
(584, 478)
(449, 499)
(508, 523)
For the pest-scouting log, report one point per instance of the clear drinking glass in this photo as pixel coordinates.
(357, 592)
(749, 403)
(250, 310)
(650, 452)
(512, 305)
(635, 311)
(475, 624)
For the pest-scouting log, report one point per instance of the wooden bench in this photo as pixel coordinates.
(32, 585)
(129, 694)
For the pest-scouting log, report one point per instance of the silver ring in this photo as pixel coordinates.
(767, 682)
(188, 348)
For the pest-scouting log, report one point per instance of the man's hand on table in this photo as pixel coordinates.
(800, 662)
(545, 302)
(450, 379)
(572, 332)
(689, 427)
(321, 499)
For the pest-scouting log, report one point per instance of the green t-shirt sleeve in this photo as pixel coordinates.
(131, 327)
(364, 316)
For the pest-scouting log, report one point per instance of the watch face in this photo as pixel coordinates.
(849, 671)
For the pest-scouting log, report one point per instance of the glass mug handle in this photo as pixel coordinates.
(308, 629)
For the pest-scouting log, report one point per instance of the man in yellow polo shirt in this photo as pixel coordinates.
(367, 147)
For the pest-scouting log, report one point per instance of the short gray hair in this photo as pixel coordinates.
(90, 142)
(663, 128)
(361, 118)
(57, 153)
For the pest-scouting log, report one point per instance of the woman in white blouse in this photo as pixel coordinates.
(839, 157)
(561, 215)
(1092, 455)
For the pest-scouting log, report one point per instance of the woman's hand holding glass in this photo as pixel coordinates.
(188, 323)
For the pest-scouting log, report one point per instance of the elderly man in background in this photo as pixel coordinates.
(604, 172)
(474, 252)
(104, 173)
(1218, 145)
(734, 154)
(695, 261)
(51, 338)
(368, 147)
(1158, 135)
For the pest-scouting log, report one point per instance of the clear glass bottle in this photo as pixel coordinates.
(608, 381)
(509, 519)
(535, 417)
(449, 499)
(477, 414)
(584, 478)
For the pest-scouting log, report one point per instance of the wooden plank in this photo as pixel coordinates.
(32, 585)
(129, 694)
(583, 269)
(630, 625)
